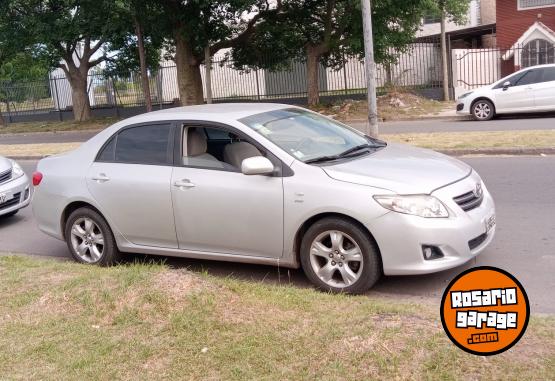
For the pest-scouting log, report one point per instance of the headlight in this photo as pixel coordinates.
(465, 95)
(417, 205)
(17, 172)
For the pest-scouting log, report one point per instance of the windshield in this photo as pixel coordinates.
(310, 137)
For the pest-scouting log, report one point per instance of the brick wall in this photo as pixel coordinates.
(512, 23)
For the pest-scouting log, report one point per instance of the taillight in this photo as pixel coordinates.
(37, 178)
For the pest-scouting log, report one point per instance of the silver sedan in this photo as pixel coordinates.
(15, 190)
(269, 184)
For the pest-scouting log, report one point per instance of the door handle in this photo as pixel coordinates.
(101, 178)
(185, 183)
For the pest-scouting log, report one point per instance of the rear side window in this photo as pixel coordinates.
(548, 74)
(148, 144)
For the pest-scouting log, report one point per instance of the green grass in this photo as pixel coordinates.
(57, 126)
(61, 320)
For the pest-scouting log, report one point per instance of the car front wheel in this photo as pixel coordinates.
(339, 256)
(483, 110)
(90, 239)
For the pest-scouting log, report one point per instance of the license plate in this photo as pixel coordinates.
(490, 223)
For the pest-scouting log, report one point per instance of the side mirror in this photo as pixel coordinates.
(506, 85)
(257, 165)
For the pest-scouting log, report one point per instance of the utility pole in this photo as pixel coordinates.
(208, 73)
(444, 63)
(372, 129)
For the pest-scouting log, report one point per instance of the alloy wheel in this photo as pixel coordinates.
(336, 259)
(87, 240)
(482, 110)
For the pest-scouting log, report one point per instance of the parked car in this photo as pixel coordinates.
(15, 189)
(267, 184)
(526, 91)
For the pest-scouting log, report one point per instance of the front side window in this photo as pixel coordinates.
(538, 52)
(150, 144)
(308, 136)
(531, 77)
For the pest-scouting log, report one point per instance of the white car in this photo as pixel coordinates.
(15, 190)
(268, 184)
(526, 91)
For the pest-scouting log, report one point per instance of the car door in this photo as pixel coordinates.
(130, 180)
(544, 91)
(518, 97)
(218, 209)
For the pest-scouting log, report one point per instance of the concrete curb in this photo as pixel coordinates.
(415, 119)
(450, 152)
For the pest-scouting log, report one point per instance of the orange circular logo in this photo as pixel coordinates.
(485, 310)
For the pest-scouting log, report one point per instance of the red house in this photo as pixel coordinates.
(526, 29)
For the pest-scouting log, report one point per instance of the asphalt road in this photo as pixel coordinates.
(529, 122)
(524, 191)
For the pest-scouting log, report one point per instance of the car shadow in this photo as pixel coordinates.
(535, 115)
(420, 286)
(7, 221)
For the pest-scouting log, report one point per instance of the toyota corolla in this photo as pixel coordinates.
(268, 184)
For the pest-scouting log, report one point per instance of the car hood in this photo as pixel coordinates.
(401, 169)
(5, 164)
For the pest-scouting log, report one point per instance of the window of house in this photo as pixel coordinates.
(530, 4)
(538, 52)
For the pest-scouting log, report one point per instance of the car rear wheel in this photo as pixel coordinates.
(483, 110)
(90, 239)
(339, 256)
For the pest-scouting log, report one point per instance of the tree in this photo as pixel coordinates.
(326, 32)
(138, 49)
(70, 34)
(456, 11)
(198, 25)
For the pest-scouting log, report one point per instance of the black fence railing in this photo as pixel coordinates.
(473, 68)
(418, 67)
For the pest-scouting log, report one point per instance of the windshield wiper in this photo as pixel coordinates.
(348, 153)
(355, 149)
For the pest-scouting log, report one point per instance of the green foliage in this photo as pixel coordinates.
(335, 26)
(455, 10)
(23, 77)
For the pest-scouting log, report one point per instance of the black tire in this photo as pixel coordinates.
(110, 254)
(483, 110)
(10, 214)
(371, 269)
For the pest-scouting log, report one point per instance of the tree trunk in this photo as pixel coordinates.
(79, 95)
(444, 62)
(2, 120)
(312, 81)
(142, 61)
(189, 80)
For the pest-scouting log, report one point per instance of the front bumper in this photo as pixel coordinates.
(463, 108)
(18, 195)
(460, 237)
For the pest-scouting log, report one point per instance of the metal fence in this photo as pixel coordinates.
(418, 67)
(473, 68)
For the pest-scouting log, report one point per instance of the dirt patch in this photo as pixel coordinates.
(178, 284)
(394, 105)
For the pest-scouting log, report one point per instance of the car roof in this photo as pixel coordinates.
(218, 112)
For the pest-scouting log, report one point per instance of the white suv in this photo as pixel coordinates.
(526, 91)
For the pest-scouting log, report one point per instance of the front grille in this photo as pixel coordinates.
(474, 243)
(12, 202)
(469, 201)
(5, 176)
